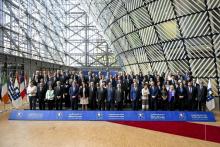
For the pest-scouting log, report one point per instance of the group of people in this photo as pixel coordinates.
(122, 91)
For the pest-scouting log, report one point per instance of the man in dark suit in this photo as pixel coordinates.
(135, 96)
(73, 93)
(58, 93)
(154, 91)
(191, 96)
(92, 96)
(66, 93)
(110, 96)
(181, 95)
(119, 97)
(201, 96)
(41, 92)
(101, 96)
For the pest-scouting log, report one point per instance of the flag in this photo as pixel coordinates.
(4, 91)
(22, 85)
(14, 93)
(210, 102)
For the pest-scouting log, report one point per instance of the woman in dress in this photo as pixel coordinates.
(164, 97)
(84, 96)
(145, 96)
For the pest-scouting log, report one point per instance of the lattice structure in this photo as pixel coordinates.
(57, 31)
(163, 35)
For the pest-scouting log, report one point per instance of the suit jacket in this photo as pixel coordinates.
(154, 91)
(74, 92)
(135, 94)
(41, 93)
(118, 95)
(92, 93)
(58, 92)
(110, 97)
(181, 93)
(66, 88)
(202, 93)
(101, 94)
(191, 95)
(86, 92)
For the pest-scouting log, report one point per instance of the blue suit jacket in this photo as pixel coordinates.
(154, 92)
(73, 92)
(134, 94)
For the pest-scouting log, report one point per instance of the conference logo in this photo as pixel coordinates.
(182, 116)
(99, 115)
(59, 115)
(141, 115)
(19, 114)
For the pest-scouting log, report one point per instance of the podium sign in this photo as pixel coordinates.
(56, 115)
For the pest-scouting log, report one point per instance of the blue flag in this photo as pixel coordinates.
(210, 103)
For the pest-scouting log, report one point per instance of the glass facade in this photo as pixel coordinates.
(162, 35)
(56, 31)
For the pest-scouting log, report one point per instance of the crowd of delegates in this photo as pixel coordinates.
(122, 91)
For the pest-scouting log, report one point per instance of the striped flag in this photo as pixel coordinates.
(210, 103)
(4, 92)
(22, 85)
(14, 94)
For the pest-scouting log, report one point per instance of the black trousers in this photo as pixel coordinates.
(153, 103)
(74, 103)
(32, 101)
(159, 103)
(164, 104)
(201, 106)
(191, 105)
(127, 97)
(134, 104)
(67, 101)
(101, 105)
(110, 105)
(41, 103)
(59, 104)
(50, 104)
(119, 105)
(92, 103)
(181, 104)
(171, 105)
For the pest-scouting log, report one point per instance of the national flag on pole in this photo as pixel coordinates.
(26, 80)
(210, 103)
(22, 85)
(4, 92)
(14, 93)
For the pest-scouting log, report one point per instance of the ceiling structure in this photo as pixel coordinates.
(162, 35)
(56, 31)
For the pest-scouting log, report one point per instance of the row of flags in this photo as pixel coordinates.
(14, 91)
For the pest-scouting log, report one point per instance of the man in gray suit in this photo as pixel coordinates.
(201, 96)
(101, 96)
(119, 97)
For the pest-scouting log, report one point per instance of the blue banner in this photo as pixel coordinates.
(112, 115)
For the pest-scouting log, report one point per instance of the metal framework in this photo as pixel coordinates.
(163, 35)
(56, 31)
